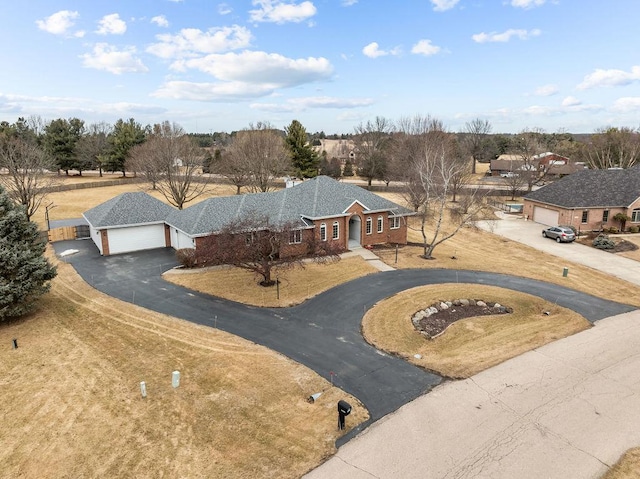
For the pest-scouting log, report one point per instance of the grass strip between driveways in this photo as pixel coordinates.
(296, 285)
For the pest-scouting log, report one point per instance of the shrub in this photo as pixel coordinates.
(605, 230)
(634, 229)
(603, 242)
(186, 257)
(613, 230)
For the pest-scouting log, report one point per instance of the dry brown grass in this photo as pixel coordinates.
(482, 251)
(296, 285)
(72, 404)
(628, 467)
(470, 345)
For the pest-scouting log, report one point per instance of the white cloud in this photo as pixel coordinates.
(245, 75)
(160, 20)
(281, 12)
(263, 68)
(505, 36)
(106, 57)
(224, 9)
(443, 5)
(191, 41)
(602, 77)
(571, 101)
(527, 3)
(546, 90)
(59, 23)
(58, 107)
(348, 3)
(372, 50)
(183, 90)
(424, 47)
(302, 104)
(111, 25)
(627, 104)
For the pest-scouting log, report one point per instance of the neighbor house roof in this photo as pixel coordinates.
(592, 189)
(316, 198)
(128, 209)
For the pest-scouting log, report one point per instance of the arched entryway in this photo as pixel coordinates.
(355, 229)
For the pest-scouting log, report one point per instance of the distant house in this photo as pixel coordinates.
(342, 213)
(587, 200)
(549, 165)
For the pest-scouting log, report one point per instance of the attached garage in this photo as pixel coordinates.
(545, 216)
(129, 222)
(135, 238)
(180, 240)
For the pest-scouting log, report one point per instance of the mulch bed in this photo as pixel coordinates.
(438, 322)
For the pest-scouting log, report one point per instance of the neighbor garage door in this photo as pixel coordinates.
(136, 238)
(545, 216)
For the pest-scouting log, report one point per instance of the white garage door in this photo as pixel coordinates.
(545, 216)
(136, 238)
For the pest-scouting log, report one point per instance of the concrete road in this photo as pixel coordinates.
(566, 410)
(530, 233)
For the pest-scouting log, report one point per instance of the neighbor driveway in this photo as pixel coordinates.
(530, 233)
(324, 332)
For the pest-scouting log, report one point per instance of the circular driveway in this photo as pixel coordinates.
(324, 332)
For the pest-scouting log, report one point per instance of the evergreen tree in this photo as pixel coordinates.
(125, 136)
(24, 271)
(348, 168)
(304, 158)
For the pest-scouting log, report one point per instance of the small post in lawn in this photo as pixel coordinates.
(175, 379)
(396, 253)
(277, 288)
(15, 343)
(143, 389)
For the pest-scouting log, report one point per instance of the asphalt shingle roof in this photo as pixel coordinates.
(315, 198)
(592, 189)
(128, 209)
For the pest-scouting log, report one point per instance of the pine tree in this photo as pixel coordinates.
(304, 158)
(24, 271)
(348, 168)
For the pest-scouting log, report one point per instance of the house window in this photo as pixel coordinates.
(336, 230)
(323, 232)
(369, 226)
(380, 223)
(605, 216)
(635, 216)
(585, 216)
(249, 238)
(295, 237)
(394, 222)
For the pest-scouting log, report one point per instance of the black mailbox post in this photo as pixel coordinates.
(344, 409)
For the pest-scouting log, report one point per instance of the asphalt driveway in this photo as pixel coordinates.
(322, 333)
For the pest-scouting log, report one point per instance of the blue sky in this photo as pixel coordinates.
(331, 64)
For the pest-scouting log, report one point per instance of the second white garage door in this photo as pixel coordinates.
(545, 216)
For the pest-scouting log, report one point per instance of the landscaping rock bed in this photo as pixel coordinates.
(434, 320)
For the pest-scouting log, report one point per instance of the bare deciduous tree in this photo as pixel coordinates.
(171, 160)
(433, 169)
(372, 140)
(613, 148)
(527, 144)
(255, 243)
(28, 178)
(476, 132)
(260, 151)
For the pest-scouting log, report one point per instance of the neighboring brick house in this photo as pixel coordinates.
(342, 213)
(587, 200)
(549, 165)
